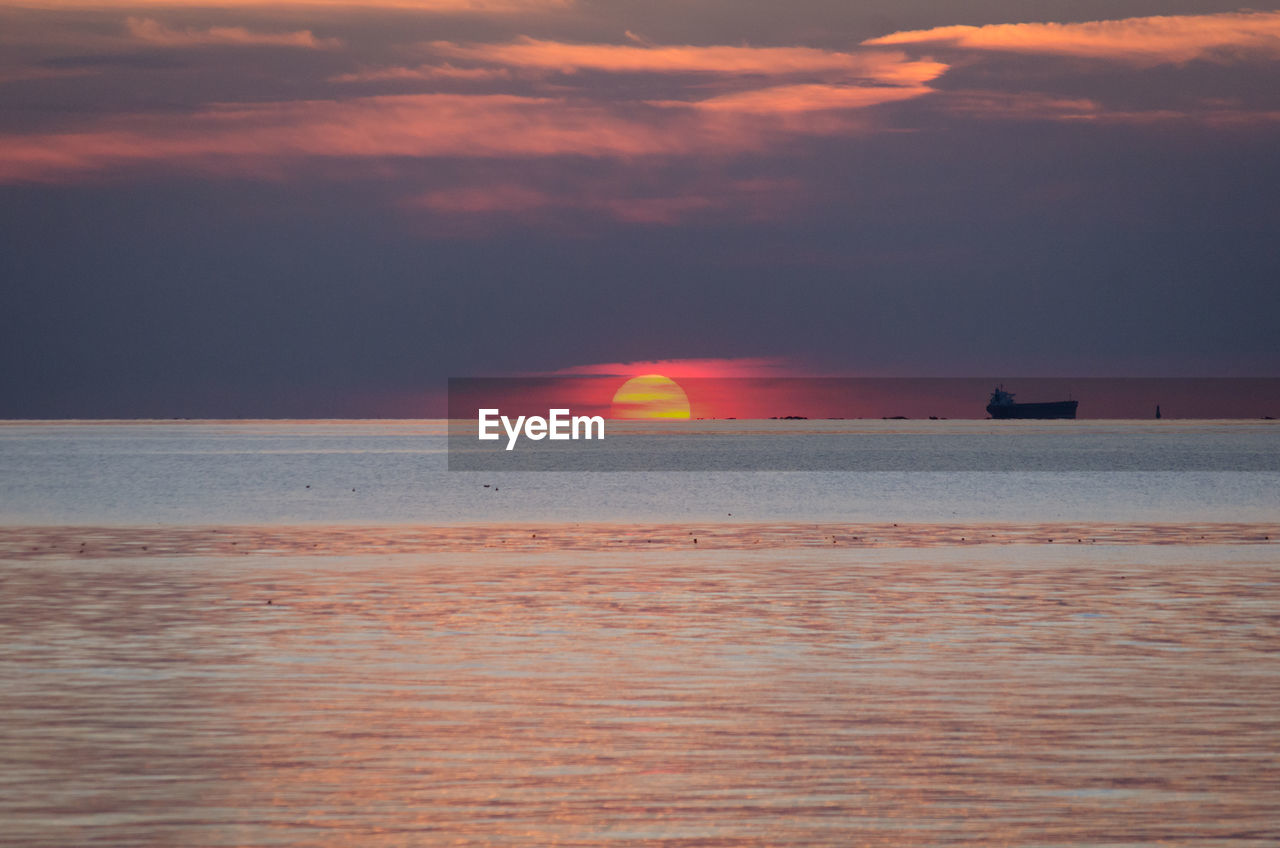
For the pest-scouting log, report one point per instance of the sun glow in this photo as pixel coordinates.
(650, 396)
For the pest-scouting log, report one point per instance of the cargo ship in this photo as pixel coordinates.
(1003, 406)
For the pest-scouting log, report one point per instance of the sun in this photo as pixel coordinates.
(650, 396)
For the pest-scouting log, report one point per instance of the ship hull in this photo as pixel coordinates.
(1057, 409)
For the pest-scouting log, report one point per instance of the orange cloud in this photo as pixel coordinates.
(244, 137)
(623, 200)
(425, 125)
(535, 56)
(661, 210)
(1139, 41)
(889, 68)
(39, 73)
(440, 6)
(755, 115)
(512, 199)
(1025, 106)
(1021, 105)
(711, 367)
(153, 32)
(804, 98)
(422, 72)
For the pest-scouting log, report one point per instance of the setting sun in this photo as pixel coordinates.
(650, 396)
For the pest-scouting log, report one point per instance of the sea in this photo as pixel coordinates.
(313, 633)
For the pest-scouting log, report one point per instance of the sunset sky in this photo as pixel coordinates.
(315, 208)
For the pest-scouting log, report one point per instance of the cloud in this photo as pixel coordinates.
(825, 80)
(43, 73)
(506, 199)
(778, 100)
(421, 72)
(759, 100)
(1123, 46)
(155, 33)
(519, 201)
(754, 366)
(1021, 106)
(881, 66)
(626, 198)
(1149, 41)
(245, 137)
(762, 96)
(1040, 106)
(436, 6)
(1223, 114)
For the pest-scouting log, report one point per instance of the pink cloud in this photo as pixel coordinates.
(244, 137)
(40, 73)
(422, 72)
(423, 125)
(884, 67)
(1139, 41)
(155, 33)
(660, 210)
(804, 98)
(1134, 43)
(254, 138)
(437, 6)
(626, 199)
(1020, 105)
(711, 367)
(507, 199)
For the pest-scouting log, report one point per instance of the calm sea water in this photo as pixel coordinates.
(169, 680)
(998, 696)
(393, 472)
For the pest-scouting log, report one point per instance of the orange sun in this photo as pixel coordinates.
(650, 396)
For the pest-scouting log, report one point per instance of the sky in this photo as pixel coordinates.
(309, 208)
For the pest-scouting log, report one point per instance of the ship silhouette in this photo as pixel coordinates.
(1002, 405)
